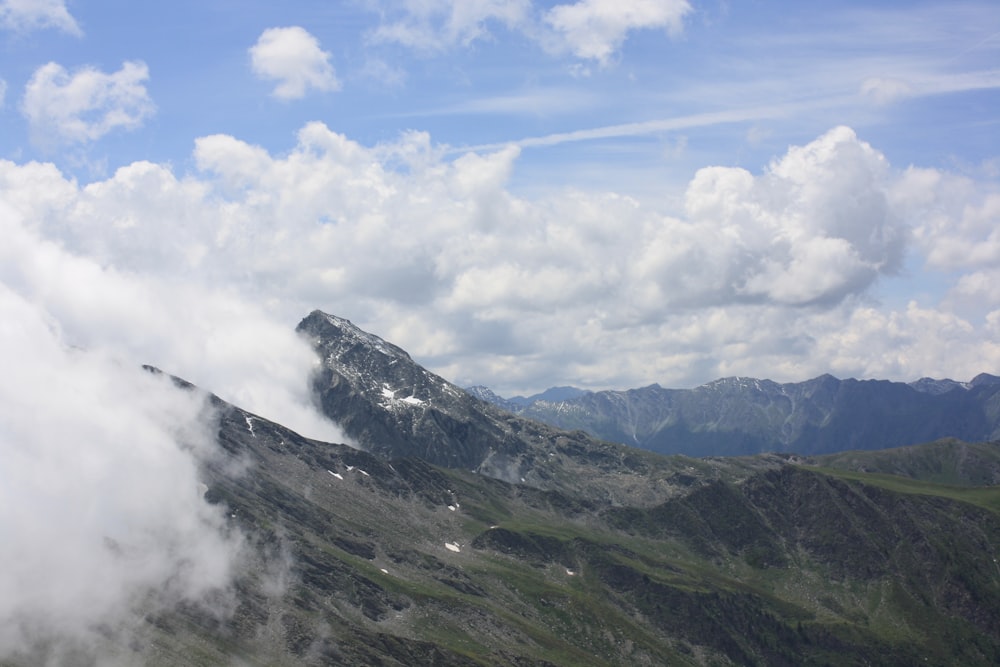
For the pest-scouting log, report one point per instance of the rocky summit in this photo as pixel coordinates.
(451, 533)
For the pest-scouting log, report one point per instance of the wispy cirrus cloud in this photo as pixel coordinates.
(640, 128)
(538, 102)
(435, 25)
(588, 29)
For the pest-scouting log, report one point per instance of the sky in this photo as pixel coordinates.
(598, 193)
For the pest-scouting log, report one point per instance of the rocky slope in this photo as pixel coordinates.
(742, 416)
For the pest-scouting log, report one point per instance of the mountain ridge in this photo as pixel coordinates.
(744, 416)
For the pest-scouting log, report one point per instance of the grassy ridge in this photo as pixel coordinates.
(986, 497)
(948, 461)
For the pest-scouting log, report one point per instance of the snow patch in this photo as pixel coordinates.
(390, 400)
(250, 425)
(452, 546)
(336, 474)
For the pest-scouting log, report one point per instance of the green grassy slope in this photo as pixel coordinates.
(947, 461)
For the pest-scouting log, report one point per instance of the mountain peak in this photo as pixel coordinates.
(984, 379)
(340, 334)
(392, 406)
(739, 383)
(552, 395)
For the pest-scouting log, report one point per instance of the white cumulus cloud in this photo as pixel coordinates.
(85, 105)
(596, 29)
(815, 227)
(293, 58)
(26, 15)
(436, 253)
(131, 272)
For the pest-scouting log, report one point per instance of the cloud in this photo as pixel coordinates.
(596, 29)
(885, 90)
(641, 128)
(382, 74)
(434, 25)
(293, 58)
(85, 106)
(100, 501)
(588, 29)
(100, 504)
(3, 92)
(816, 227)
(531, 102)
(27, 15)
(954, 218)
(955, 221)
(435, 252)
(132, 272)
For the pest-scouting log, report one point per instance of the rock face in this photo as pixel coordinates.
(392, 406)
(745, 416)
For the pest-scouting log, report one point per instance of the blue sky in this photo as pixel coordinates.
(920, 77)
(522, 194)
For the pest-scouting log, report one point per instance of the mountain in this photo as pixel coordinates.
(744, 416)
(489, 396)
(393, 407)
(552, 395)
(603, 555)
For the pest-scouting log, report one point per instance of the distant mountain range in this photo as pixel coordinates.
(457, 534)
(743, 416)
